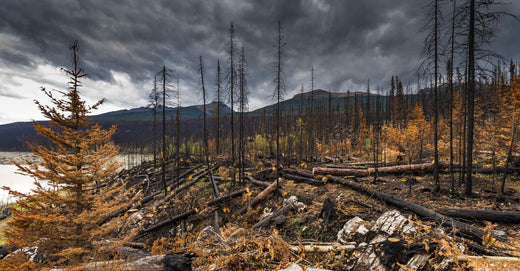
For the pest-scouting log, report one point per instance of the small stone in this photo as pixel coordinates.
(6, 212)
(292, 267)
(280, 220)
(176, 262)
(499, 233)
(353, 230)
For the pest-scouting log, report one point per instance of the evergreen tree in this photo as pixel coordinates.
(61, 217)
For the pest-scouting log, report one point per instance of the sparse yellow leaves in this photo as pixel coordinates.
(226, 210)
(248, 193)
(324, 179)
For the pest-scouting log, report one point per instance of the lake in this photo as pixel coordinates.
(24, 184)
(17, 182)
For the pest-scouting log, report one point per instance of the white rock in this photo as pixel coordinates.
(353, 229)
(292, 267)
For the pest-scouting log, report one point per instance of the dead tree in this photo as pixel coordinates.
(243, 105)
(431, 52)
(217, 110)
(167, 77)
(476, 20)
(231, 86)
(154, 102)
(451, 86)
(279, 92)
(205, 134)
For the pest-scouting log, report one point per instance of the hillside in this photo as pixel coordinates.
(135, 125)
(145, 114)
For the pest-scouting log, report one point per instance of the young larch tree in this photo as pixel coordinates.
(59, 217)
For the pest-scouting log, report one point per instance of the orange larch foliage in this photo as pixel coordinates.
(61, 214)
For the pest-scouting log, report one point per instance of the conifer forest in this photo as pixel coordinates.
(234, 159)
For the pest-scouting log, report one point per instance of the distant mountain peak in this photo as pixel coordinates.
(323, 93)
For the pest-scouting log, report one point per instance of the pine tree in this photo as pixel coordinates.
(60, 218)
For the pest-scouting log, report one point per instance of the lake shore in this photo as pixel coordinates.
(8, 158)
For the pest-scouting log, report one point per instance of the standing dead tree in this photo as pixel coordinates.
(278, 93)
(205, 134)
(243, 105)
(431, 62)
(154, 103)
(217, 109)
(231, 87)
(167, 79)
(476, 20)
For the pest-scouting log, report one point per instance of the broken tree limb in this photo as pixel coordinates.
(487, 215)
(260, 197)
(272, 216)
(224, 198)
(167, 222)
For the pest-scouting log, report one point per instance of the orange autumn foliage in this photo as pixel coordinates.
(60, 215)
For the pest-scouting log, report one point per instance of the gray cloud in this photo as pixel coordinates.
(348, 42)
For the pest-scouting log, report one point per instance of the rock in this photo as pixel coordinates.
(280, 220)
(34, 254)
(292, 267)
(391, 222)
(369, 261)
(353, 230)
(499, 233)
(6, 212)
(173, 262)
(151, 263)
(446, 264)
(417, 262)
(6, 250)
(293, 200)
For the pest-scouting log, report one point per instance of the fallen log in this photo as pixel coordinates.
(260, 197)
(301, 179)
(487, 215)
(340, 171)
(257, 182)
(224, 198)
(322, 248)
(165, 223)
(403, 169)
(469, 231)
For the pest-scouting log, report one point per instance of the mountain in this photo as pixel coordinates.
(135, 125)
(320, 100)
(146, 114)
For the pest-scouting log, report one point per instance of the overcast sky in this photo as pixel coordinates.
(123, 43)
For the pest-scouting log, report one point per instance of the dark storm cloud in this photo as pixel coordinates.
(348, 42)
